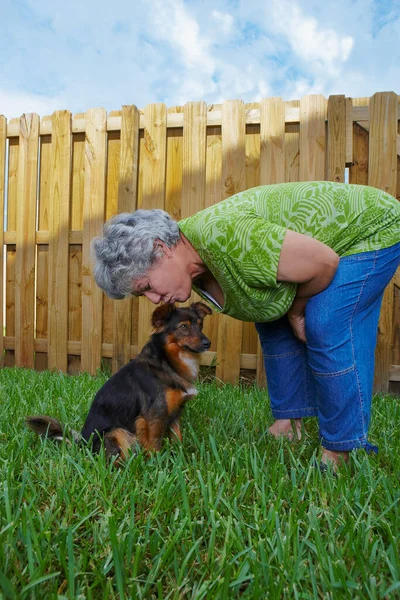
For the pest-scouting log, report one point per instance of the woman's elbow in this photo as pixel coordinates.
(330, 266)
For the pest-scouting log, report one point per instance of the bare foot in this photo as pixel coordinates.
(329, 457)
(289, 428)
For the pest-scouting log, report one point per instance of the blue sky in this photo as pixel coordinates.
(77, 55)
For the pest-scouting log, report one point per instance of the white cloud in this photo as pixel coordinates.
(224, 21)
(174, 25)
(14, 104)
(311, 41)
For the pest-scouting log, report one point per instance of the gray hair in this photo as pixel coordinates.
(126, 251)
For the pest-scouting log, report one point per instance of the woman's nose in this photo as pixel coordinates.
(154, 298)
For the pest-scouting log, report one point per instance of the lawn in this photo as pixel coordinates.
(230, 513)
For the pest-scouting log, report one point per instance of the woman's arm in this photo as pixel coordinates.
(309, 263)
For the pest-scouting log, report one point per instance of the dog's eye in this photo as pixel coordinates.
(183, 326)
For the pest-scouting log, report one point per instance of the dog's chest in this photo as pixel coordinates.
(191, 365)
(176, 398)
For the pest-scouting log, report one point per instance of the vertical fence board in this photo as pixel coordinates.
(13, 151)
(3, 149)
(194, 163)
(272, 170)
(26, 240)
(213, 195)
(111, 209)
(74, 304)
(42, 250)
(233, 181)
(127, 202)
(349, 131)
(93, 219)
(358, 172)
(272, 134)
(312, 138)
(292, 147)
(75, 250)
(213, 162)
(154, 164)
(59, 223)
(136, 302)
(174, 170)
(194, 158)
(383, 175)
(249, 339)
(336, 138)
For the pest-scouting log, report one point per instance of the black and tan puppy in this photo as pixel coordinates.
(143, 401)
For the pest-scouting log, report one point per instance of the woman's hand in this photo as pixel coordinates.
(298, 324)
(312, 265)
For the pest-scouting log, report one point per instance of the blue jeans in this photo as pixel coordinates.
(331, 376)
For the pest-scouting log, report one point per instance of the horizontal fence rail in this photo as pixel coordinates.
(62, 176)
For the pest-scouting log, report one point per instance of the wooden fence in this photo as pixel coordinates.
(62, 176)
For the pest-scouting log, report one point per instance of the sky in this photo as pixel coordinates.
(79, 55)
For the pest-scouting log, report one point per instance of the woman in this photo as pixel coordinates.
(307, 262)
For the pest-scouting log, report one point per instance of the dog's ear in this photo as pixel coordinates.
(161, 316)
(201, 309)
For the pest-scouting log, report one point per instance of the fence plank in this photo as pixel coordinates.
(75, 250)
(383, 175)
(336, 138)
(154, 164)
(26, 236)
(272, 169)
(111, 209)
(59, 219)
(42, 249)
(349, 132)
(3, 148)
(272, 139)
(93, 219)
(213, 195)
(13, 151)
(233, 181)
(174, 171)
(127, 202)
(313, 114)
(292, 147)
(358, 172)
(194, 163)
(194, 158)
(253, 149)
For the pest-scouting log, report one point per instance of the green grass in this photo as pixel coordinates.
(228, 514)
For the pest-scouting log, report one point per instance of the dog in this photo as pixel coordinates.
(143, 401)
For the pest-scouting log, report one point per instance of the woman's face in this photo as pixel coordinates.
(167, 281)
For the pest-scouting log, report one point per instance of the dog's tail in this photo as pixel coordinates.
(51, 428)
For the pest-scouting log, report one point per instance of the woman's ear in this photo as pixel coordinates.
(162, 249)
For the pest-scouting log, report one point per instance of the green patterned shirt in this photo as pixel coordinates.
(240, 239)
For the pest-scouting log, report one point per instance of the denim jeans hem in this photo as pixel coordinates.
(295, 413)
(349, 445)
